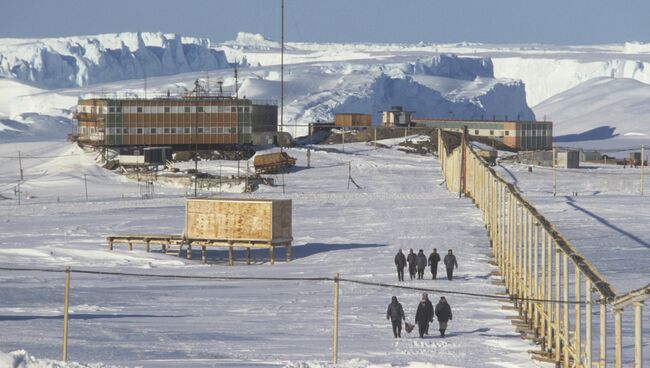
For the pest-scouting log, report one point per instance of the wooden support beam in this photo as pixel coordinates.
(110, 243)
(638, 329)
(565, 308)
(578, 326)
(147, 245)
(130, 246)
(288, 250)
(588, 322)
(248, 256)
(618, 348)
(602, 350)
(231, 256)
(204, 254)
(272, 254)
(189, 250)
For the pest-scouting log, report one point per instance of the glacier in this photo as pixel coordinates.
(79, 61)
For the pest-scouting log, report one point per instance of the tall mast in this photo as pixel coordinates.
(281, 69)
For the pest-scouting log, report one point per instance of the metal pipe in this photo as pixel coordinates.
(565, 309)
(588, 314)
(602, 351)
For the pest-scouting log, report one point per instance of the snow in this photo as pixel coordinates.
(617, 103)
(155, 322)
(78, 61)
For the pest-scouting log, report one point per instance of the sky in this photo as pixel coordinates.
(380, 21)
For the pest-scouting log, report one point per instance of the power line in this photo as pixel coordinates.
(313, 279)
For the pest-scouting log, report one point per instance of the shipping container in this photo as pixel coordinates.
(227, 219)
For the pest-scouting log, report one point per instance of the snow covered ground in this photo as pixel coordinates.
(606, 221)
(154, 322)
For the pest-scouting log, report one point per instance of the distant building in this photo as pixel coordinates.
(519, 135)
(396, 117)
(349, 119)
(174, 121)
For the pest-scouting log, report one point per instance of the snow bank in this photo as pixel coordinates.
(21, 359)
(252, 41)
(619, 103)
(78, 61)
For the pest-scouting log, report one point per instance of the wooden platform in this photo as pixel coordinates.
(173, 244)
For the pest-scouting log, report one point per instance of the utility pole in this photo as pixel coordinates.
(196, 143)
(281, 70)
(20, 165)
(86, 186)
(343, 138)
(642, 164)
(554, 173)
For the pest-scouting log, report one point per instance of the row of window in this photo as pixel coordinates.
(156, 131)
(523, 132)
(162, 109)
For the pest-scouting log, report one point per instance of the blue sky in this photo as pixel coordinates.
(496, 21)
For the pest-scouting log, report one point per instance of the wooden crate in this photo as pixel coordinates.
(227, 219)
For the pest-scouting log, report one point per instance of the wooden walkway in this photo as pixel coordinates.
(173, 244)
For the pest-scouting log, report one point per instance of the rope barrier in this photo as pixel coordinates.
(318, 279)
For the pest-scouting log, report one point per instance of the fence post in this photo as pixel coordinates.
(618, 315)
(565, 309)
(602, 352)
(588, 311)
(66, 302)
(335, 335)
(577, 337)
(558, 351)
(638, 334)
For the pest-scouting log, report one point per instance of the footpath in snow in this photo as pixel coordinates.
(153, 322)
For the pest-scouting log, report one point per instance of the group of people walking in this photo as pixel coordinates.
(418, 263)
(423, 316)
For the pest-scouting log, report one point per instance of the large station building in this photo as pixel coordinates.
(174, 121)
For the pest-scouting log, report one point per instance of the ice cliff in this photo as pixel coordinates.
(79, 61)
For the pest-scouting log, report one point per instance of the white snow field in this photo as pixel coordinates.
(153, 322)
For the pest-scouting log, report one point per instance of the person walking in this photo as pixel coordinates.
(450, 262)
(400, 262)
(421, 263)
(424, 315)
(411, 260)
(443, 312)
(434, 259)
(395, 314)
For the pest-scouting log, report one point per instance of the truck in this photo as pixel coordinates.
(272, 163)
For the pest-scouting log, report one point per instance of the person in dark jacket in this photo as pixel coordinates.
(434, 258)
(443, 312)
(411, 260)
(421, 264)
(424, 315)
(450, 262)
(400, 262)
(395, 314)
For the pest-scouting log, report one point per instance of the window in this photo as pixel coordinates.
(139, 109)
(118, 109)
(92, 130)
(167, 109)
(199, 109)
(213, 130)
(247, 130)
(507, 132)
(476, 132)
(247, 109)
(187, 109)
(199, 130)
(187, 130)
(139, 130)
(241, 109)
(173, 131)
(491, 132)
(166, 130)
(111, 109)
(233, 109)
(153, 130)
